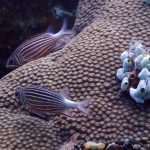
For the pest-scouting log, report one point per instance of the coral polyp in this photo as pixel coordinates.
(135, 74)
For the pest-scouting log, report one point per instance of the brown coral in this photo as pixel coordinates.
(87, 66)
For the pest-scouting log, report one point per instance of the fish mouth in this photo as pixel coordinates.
(11, 63)
(11, 66)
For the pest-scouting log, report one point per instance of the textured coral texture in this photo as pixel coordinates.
(87, 65)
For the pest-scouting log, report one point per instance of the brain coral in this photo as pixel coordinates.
(87, 65)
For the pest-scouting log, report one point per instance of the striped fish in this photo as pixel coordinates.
(38, 46)
(43, 102)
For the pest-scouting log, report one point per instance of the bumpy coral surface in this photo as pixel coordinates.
(88, 11)
(87, 65)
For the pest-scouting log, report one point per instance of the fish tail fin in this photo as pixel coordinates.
(63, 30)
(81, 106)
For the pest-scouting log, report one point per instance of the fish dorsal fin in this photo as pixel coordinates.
(50, 29)
(65, 92)
(63, 30)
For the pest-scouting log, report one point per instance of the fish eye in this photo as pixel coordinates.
(142, 90)
(11, 62)
(17, 94)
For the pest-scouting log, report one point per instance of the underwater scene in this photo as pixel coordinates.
(75, 75)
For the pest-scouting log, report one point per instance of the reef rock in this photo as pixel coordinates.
(87, 65)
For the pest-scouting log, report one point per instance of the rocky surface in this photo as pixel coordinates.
(87, 65)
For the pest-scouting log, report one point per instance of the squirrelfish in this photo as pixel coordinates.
(38, 46)
(43, 102)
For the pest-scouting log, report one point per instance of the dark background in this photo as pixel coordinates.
(21, 19)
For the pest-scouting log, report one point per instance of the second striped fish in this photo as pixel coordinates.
(38, 46)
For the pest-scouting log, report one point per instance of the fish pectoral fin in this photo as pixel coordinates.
(67, 113)
(58, 45)
(42, 115)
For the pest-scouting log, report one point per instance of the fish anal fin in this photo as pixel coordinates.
(42, 115)
(67, 113)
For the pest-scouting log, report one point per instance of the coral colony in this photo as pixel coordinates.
(135, 73)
